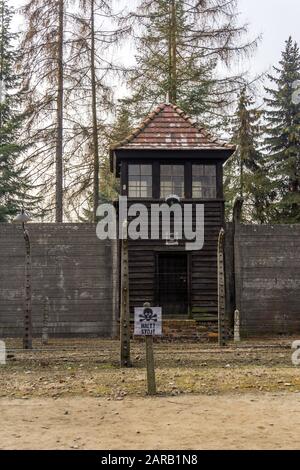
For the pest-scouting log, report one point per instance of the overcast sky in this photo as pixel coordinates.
(275, 20)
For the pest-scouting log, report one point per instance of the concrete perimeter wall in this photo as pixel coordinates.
(71, 268)
(267, 278)
(76, 275)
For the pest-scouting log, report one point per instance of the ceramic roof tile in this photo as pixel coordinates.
(168, 127)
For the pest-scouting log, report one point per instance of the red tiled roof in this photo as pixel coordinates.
(168, 127)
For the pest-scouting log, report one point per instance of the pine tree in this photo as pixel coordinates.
(87, 49)
(43, 55)
(181, 45)
(283, 135)
(245, 173)
(14, 184)
(109, 184)
(90, 74)
(122, 126)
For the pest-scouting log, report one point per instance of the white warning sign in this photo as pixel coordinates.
(147, 321)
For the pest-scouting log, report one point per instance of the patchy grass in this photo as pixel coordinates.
(91, 368)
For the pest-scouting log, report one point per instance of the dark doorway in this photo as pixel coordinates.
(172, 283)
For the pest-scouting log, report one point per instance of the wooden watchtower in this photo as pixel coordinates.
(169, 154)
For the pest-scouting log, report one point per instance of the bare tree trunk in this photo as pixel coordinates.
(59, 131)
(94, 113)
(173, 53)
(241, 175)
(170, 55)
(2, 91)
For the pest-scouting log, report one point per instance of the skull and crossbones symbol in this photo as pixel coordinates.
(148, 315)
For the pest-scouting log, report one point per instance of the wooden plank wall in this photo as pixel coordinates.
(203, 265)
(204, 278)
(71, 267)
(267, 278)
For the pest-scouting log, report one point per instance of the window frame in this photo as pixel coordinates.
(159, 161)
(173, 177)
(204, 187)
(138, 186)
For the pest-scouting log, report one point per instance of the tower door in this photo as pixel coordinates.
(172, 283)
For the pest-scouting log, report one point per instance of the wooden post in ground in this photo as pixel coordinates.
(151, 383)
(237, 215)
(148, 323)
(124, 307)
(221, 290)
(150, 366)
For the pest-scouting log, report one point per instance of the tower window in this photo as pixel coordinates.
(204, 181)
(140, 181)
(171, 180)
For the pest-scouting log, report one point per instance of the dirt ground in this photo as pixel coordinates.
(72, 394)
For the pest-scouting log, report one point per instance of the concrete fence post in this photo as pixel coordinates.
(237, 335)
(45, 322)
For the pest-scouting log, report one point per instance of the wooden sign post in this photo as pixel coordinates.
(150, 366)
(147, 322)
